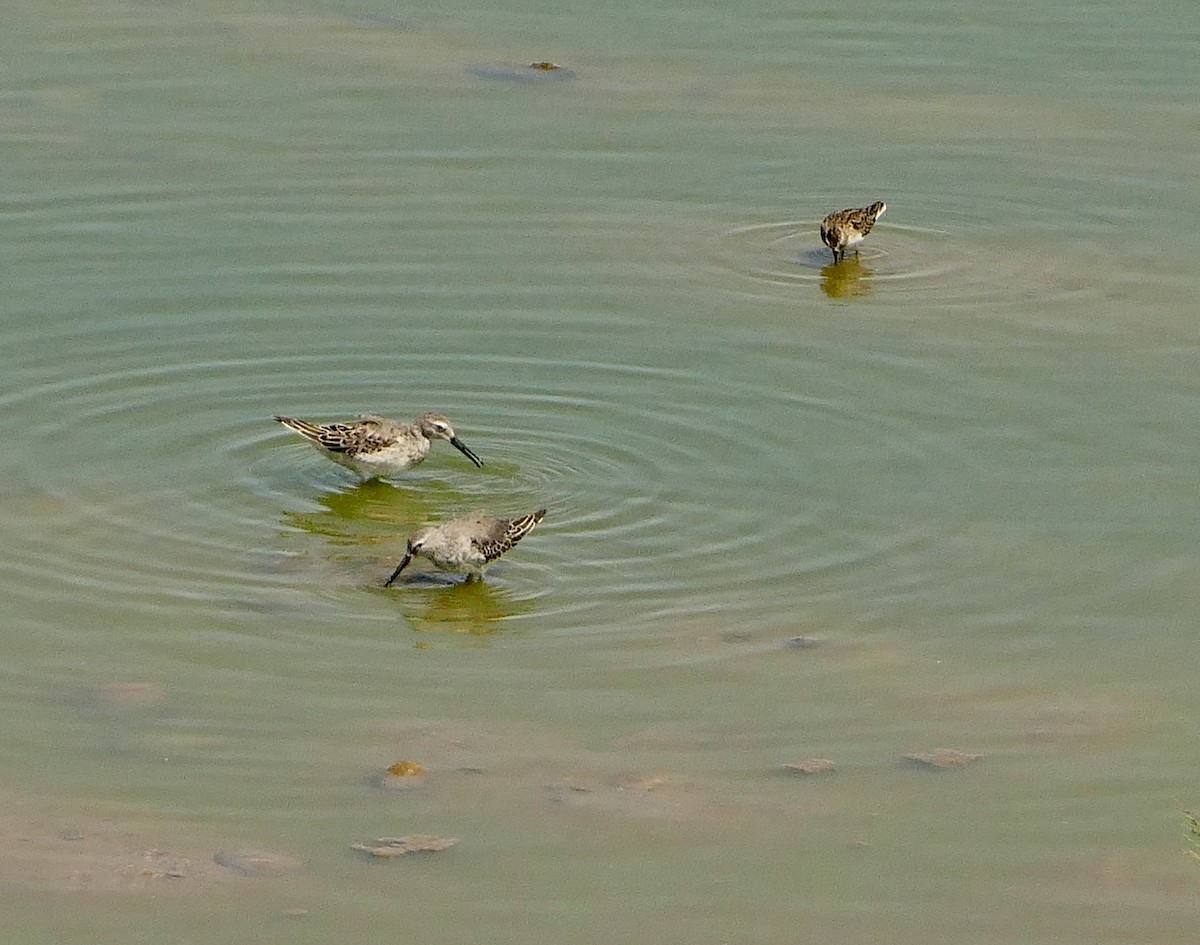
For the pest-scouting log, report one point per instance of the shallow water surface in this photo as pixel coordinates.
(941, 495)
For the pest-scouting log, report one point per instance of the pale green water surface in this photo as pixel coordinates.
(963, 464)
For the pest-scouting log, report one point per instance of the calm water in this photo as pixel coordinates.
(962, 465)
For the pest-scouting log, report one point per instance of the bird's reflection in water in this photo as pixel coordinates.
(364, 526)
(368, 512)
(432, 605)
(846, 279)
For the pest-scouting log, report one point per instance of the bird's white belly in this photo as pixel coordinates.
(457, 556)
(383, 462)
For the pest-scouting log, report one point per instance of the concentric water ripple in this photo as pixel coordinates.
(687, 473)
(677, 486)
(961, 264)
(195, 499)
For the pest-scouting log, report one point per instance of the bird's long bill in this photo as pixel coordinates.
(400, 567)
(466, 451)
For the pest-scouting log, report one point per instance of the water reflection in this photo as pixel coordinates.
(368, 511)
(365, 526)
(846, 279)
(369, 522)
(466, 607)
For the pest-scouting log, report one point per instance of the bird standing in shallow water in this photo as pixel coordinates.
(849, 227)
(375, 446)
(469, 543)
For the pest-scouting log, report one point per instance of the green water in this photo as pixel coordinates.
(961, 465)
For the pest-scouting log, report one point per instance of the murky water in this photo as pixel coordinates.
(941, 495)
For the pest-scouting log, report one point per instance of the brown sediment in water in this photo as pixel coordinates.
(529, 774)
(1079, 721)
(1157, 878)
(255, 862)
(811, 766)
(60, 847)
(803, 643)
(942, 758)
(132, 695)
(382, 40)
(637, 795)
(535, 72)
(389, 847)
(52, 844)
(401, 775)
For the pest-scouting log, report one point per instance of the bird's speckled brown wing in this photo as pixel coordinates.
(352, 437)
(861, 220)
(506, 533)
(858, 219)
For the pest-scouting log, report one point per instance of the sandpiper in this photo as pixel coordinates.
(469, 543)
(849, 227)
(376, 446)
